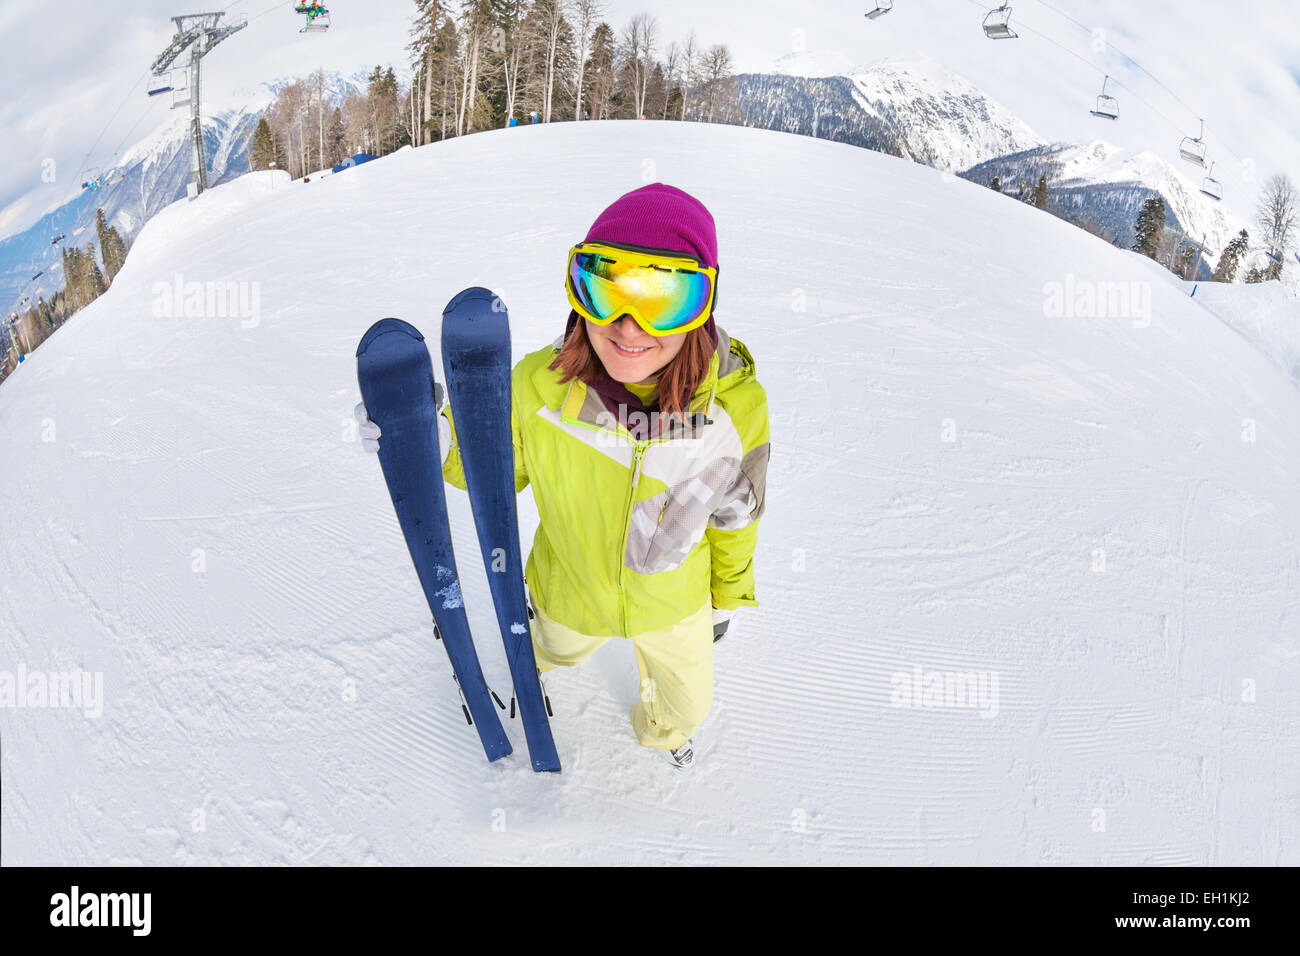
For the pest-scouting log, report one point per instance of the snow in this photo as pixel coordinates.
(1028, 586)
(1266, 314)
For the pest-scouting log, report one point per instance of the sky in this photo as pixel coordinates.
(74, 66)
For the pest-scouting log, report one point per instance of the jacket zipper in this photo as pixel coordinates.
(627, 519)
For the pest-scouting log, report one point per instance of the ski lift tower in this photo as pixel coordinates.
(198, 33)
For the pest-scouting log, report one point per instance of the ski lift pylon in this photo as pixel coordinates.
(1107, 106)
(882, 7)
(1211, 186)
(997, 24)
(1192, 148)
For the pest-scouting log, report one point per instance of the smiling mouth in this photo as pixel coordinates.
(624, 350)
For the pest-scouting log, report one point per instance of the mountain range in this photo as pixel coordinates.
(914, 108)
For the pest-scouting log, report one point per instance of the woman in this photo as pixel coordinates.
(644, 434)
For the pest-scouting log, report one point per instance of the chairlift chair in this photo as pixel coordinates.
(997, 24)
(318, 16)
(1192, 148)
(180, 88)
(882, 7)
(160, 84)
(1211, 186)
(1107, 106)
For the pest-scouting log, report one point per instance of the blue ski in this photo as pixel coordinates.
(396, 379)
(476, 358)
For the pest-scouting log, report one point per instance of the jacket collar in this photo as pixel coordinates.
(731, 363)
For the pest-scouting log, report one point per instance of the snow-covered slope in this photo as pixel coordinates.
(1267, 314)
(975, 475)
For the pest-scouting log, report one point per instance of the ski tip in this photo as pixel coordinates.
(475, 294)
(542, 766)
(384, 326)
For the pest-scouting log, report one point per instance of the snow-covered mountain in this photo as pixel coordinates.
(1107, 185)
(915, 106)
(1031, 523)
(156, 170)
(943, 119)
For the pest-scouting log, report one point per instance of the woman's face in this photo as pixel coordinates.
(629, 353)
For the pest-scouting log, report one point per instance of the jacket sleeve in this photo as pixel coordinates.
(732, 532)
(453, 471)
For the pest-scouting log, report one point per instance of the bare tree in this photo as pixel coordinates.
(477, 32)
(649, 34)
(424, 40)
(690, 64)
(514, 43)
(552, 19)
(1276, 216)
(319, 102)
(586, 13)
(717, 73)
(672, 63)
(638, 51)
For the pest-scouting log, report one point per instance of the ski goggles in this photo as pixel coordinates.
(665, 292)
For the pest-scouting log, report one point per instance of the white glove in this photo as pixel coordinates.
(370, 433)
(367, 429)
(721, 623)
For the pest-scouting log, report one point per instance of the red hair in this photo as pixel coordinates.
(577, 358)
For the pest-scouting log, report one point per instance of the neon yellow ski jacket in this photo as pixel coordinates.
(637, 535)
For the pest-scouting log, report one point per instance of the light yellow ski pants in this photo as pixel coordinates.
(675, 664)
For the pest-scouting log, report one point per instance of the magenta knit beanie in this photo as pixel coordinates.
(659, 216)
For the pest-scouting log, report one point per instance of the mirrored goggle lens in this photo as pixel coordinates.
(665, 297)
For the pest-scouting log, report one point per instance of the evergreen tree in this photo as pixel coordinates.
(262, 152)
(1254, 275)
(603, 93)
(94, 278)
(1150, 228)
(996, 185)
(1230, 258)
(1039, 195)
(335, 139)
(111, 246)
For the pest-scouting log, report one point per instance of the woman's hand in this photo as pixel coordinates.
(370, 432)
(367, 429)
